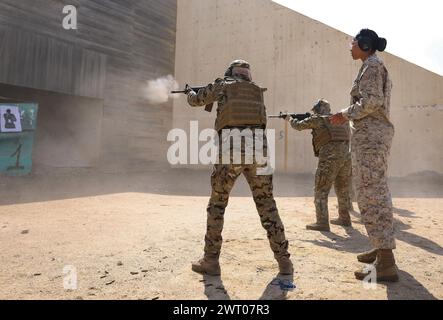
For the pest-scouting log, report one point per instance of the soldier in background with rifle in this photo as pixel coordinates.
(331, 146)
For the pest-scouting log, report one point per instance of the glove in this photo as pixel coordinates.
(338, 119)
(188, 89)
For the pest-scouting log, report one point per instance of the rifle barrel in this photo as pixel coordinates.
(196, 89)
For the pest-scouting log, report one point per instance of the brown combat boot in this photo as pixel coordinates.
(368, 256)
(285, 266)
(344, 219)
(209, 266)
(341, 222)
(321, 216)
(384, 266)
(318, 226)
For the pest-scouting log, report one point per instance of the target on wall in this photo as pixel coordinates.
(10, 119)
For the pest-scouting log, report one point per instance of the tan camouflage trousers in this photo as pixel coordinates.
(370, 152)
(222, 181)
(334, 168)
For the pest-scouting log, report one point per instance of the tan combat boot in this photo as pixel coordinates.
(341, 222)
(321, 215)
(384, 266)
(285, 266)
(209, 266)
(344, 219)
(368, 256)
(318, 226)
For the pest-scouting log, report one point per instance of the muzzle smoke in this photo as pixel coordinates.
(159, 90)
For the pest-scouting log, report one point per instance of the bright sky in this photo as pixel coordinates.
(414, 29)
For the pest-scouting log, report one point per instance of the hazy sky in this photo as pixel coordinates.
(414, 29)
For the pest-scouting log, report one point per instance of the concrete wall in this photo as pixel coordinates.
(300, 60)
(119, 45)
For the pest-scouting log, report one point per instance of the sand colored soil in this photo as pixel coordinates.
(133, 236)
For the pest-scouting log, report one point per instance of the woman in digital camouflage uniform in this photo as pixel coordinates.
(372, 133)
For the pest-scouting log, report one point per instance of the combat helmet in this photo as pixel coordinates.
(322, 107)
(242, 66)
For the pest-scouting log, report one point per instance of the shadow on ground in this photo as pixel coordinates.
(357, 242)
(406, 288)
(278, 288)
(214, 288)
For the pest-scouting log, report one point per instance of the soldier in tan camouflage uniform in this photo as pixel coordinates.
(240, 105)
(371, 143)
(331, 146)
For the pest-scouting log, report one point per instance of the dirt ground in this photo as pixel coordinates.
(134, 235)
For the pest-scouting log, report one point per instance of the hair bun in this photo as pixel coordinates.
(381, 44)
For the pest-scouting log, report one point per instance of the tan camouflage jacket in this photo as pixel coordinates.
(370, 93)
(213, 92)
(314, 122)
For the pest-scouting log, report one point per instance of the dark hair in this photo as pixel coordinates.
(368, 40)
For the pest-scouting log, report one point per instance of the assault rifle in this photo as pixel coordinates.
(188, 88)
(298, 116)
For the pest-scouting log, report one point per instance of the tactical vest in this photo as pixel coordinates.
(327, 133)
(243, 106)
